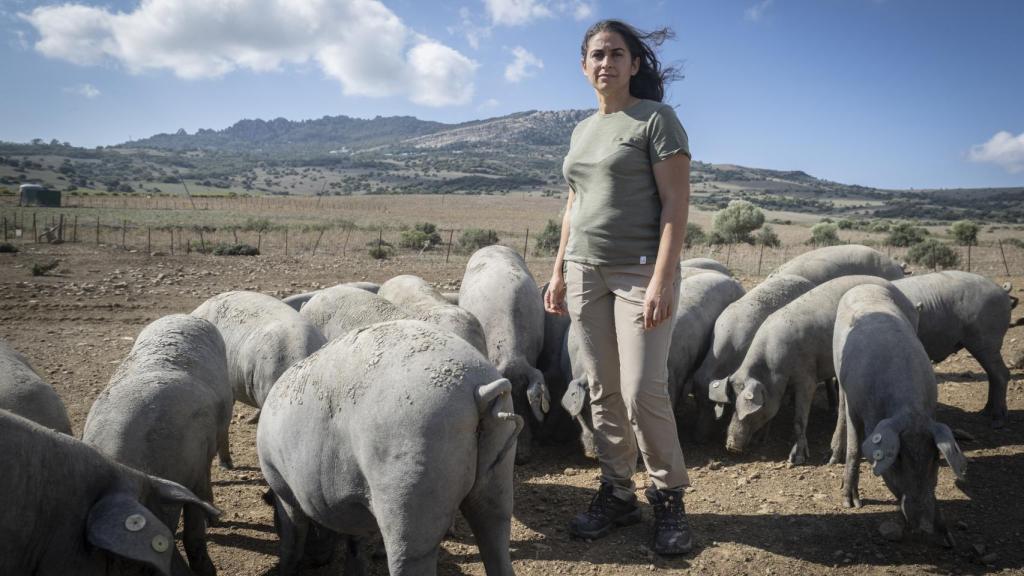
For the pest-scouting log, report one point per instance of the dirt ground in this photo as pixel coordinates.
(751, 514)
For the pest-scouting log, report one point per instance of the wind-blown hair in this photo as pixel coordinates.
(649, 82)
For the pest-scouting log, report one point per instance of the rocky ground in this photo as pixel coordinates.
(752, 514)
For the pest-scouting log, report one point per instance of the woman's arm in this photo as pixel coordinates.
(672, 176)
(554, 298)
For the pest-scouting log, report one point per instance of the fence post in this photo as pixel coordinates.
(97, 230)
(124, 230)
(968, 257)
(1003, 254)
(172, 240)
(380, 239)
(285, 240)
(317, 245)
(5, 228)
(35, 236)
(760, 256)
(74, 230)
(728, 253)
(526, 243)
(202, 240)
(259, 240)
(149, 240)
(60, 229)
(344, 247)
(451, 234)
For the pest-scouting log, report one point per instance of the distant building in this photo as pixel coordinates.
(36, 195)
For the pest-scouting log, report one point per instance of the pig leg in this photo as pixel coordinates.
(492, 528)
(357, 561)
(803, 394)
(194, 538)
(851, 472)
(292, 527)
(991, 361)
(838, 446)
(224, 449)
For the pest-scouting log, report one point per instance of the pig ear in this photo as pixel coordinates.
(119, 524)
(718, 391)
(537, 394)
(173, 492)
(488, 393)
(882, 446)
(575, 397)
(950, 450)
(750, 399)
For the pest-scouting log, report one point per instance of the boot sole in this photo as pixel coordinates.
(633, 517)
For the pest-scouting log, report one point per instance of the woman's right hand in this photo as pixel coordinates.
(554, 297)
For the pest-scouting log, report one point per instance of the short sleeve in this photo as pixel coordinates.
(666, 135)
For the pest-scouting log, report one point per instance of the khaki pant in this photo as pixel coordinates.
(628, 371)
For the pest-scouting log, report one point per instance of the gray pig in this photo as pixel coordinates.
(791, 350)
(167, 411)
(414, 295)
(392, 428)
(734, 330)
(337, 310)
(963, 310)
(701, 299)
(888, 391)
(67, 509)
(263, 337)
(707, 264)
(25, 393)
(498, 289)
(824, 264)
(297, 301)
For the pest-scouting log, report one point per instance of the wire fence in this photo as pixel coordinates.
(990, 258)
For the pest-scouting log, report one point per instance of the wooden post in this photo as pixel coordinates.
(451, 233)
(74, 230)
(760, 256)
(149, 240)
(259, 241)
(35, 236)
(526, 243)
(285, 240)
(968, 257)
(202, 241)
(188, 245)
(728, 253)
(344, 247)
(97, 230)
(380, 239)
(124, 230)
(60, 228)
(172, 241)
(315, 246)
(1003, 254)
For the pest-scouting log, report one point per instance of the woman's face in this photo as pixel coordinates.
(608, 65)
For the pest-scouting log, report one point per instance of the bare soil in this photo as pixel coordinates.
(751, 515)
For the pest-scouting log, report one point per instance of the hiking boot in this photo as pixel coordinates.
(606, 510)
(671, 530)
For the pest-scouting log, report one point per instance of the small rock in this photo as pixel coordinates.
(990, 558)
(891, 531)
(714, 465)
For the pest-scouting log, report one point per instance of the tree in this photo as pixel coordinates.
(473, 239)
(904, 234)
(547, 241)
(735, 222)
(965, 232)
(767, 236)
(824, 234)
(933, 254)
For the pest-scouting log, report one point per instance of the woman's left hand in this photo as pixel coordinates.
(657, 303)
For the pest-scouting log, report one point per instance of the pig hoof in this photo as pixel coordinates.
(226, 464)
(796, 457)
(254, 419)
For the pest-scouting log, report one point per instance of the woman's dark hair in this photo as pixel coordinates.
(649, 82)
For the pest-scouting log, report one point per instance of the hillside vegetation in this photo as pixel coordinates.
(518, 153)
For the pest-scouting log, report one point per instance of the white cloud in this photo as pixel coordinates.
(516, 12)
(582, 10)
(473, 33)
(755, 12)
(85, 90)
(1004, 149)
(360, 43)
(488, 104)
(523, 65)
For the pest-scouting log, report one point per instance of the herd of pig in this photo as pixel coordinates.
(386, 410)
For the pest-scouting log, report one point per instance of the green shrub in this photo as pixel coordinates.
(224, 249)
(933, 254)
(735, 222)
(380, 250)
(474, 239)
(879, 226)
(767, 236)
(824, 234)
(965, 232)
(39, 269)
(845, 224)
(905, 234)
(423, 236)
(547, 241)
(8, 247)
(1014, 242)
(695, 235)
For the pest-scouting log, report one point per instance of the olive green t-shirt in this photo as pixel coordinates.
(616, 215)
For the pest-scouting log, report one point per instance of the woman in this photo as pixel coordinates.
(617, 276)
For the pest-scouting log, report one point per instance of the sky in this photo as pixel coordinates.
(883, 93)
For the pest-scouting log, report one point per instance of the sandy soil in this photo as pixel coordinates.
(751, 514)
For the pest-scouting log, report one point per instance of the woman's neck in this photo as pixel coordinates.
(611, 103)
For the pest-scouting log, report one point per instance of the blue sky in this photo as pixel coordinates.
(885, 93)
